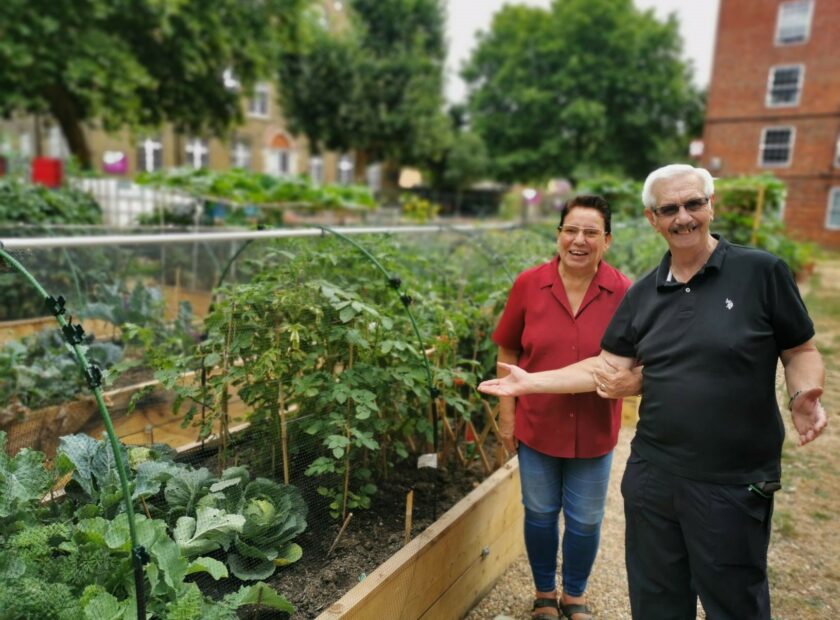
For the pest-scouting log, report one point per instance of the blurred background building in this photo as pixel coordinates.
(774, 105)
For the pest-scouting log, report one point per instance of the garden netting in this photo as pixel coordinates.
(273, 399)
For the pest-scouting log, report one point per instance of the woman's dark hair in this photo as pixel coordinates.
(590, 201)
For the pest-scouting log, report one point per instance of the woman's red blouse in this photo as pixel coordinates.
(538, 322)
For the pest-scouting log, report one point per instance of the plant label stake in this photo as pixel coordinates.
(409, 514)
(427, 460)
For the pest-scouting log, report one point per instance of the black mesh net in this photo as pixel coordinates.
(272, 399)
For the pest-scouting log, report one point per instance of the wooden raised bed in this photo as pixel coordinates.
(173, 296)
(449, 567)
(152, 420)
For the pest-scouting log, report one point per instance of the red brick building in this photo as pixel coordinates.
(774, 105)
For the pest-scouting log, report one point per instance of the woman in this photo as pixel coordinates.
(556, 315)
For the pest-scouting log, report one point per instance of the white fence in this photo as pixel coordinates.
(123, 202)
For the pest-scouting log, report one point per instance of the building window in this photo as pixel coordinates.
(198, 153)
(784, 84)
(240, 153)
(776, 146)
(150, 155)
(56, 144)
(258, 106)
(837, 152)
(344, 172)
(832, 219)
(374, 177)
(25, 145)
(794, 22)
(280, 156)
(316, 169)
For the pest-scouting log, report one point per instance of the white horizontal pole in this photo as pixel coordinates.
(30, 243)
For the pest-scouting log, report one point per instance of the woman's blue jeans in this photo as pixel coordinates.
(579, 488)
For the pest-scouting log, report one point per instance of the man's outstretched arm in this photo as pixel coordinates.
(574, 379)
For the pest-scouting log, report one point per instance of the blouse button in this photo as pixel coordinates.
(687, 289)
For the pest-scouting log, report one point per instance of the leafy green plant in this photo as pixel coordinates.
(239, 188)
(41, 370)
(74, 560)
(24, 203)
(254, 521)
(418, 209)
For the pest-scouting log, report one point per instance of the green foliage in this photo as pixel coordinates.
(139, 64)
(623, 194)
(316, 328)
(27, 597)
(263, 194)
(584, 85)
(418, 209)
(373, 85)
(24, 203)
(42, 370)
(74, 561)
(736, 206)
(23, 482)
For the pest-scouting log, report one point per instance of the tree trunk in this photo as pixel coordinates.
(64, 111)
(360, 166)
(390, 183)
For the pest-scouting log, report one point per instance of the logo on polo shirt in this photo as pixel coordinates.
(729, 303)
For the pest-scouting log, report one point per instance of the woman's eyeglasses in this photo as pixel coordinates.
(692, 206)
(572, 231)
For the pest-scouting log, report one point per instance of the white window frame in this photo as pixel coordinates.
(771, 78)
(792, 4)
(316, 169)
(833, 194)
(345, 168)
(203, 147)
(837, 152)
(259, 105)
(150, 147)
(761, 146)
(241, 153)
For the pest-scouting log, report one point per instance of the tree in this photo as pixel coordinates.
(584, 85)
(138, 63)
(462, 158)
(373, 85)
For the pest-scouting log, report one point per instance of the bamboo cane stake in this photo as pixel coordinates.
(340, 532)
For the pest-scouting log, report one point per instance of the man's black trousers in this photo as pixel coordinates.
(686, 539)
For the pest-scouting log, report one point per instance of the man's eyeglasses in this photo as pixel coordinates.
(572, 232)
(692, 206)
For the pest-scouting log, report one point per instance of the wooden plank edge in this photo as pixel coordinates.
(378, 582)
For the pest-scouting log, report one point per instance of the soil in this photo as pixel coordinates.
(371, 537)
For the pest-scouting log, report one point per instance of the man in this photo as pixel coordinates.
(709, 325)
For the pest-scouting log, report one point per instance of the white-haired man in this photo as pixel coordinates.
(709, 325)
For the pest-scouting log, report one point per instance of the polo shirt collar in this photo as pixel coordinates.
(713, 263)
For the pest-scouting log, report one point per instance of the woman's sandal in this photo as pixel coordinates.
(571, 609)
(545, 602)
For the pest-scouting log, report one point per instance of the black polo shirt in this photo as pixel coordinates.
(710, 348)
